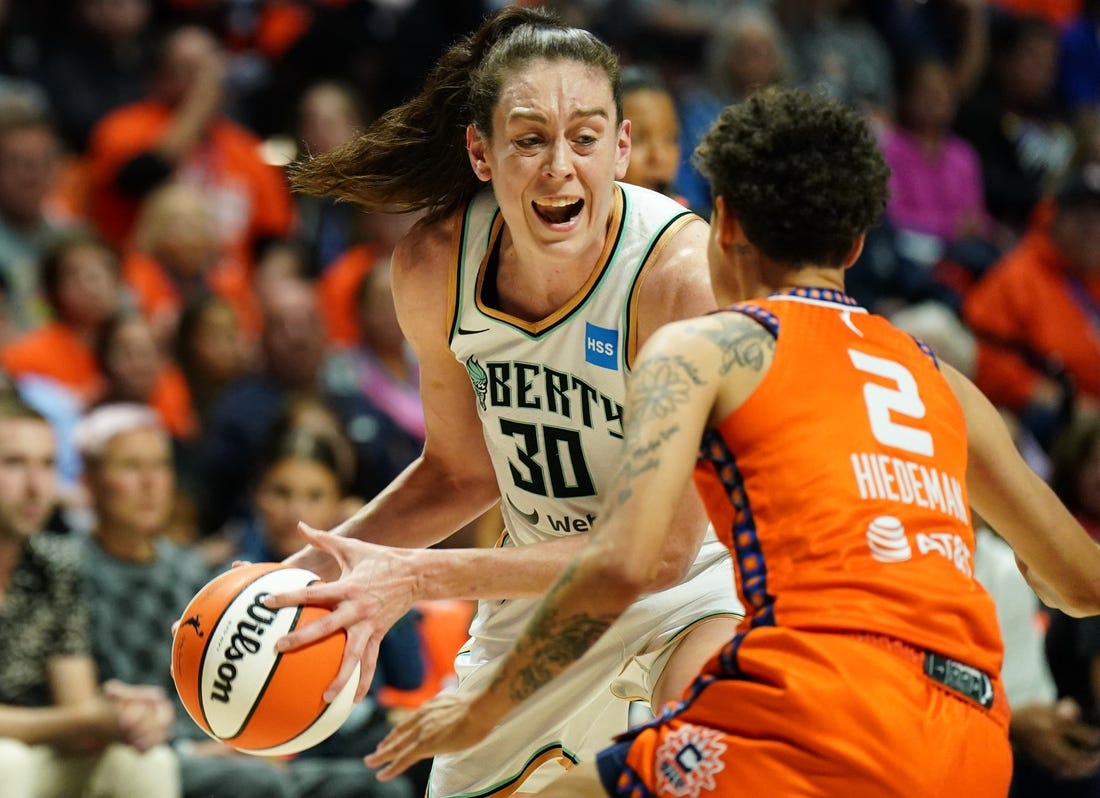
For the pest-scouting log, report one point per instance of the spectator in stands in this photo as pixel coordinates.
(838, 53)
(339, 287)
(941, 231)
(210, 351)
(179, 132)
(329, 114)
(954, 32)
(1037, 312)
(745, 52)
(137, 583)
(654, 130)
(1014, 122)
(292, 348)
(105, 48)
(177, 256)
(81, 283)
(134, 369)
(60, 734)
(29, 161)
(381, 366)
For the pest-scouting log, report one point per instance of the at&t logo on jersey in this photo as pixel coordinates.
(601, 346)
(688, 760)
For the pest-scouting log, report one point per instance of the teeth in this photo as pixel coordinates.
(556, 203)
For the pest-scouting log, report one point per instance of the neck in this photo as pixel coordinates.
(11, 549)
(776, 278)
(124, 544)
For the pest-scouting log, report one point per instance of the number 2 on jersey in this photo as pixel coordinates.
(884, 402)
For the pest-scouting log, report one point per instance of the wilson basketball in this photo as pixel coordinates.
(234, 683)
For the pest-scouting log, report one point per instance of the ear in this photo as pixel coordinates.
(855, 251)
(728, 229)
(476, 147)
(622, 158)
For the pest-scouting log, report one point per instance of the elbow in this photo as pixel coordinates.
(623, 577)
(646, 574)
(1080, 605)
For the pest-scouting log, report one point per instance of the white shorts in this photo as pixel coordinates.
(580, 711)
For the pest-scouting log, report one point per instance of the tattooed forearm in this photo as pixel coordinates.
(743, 343)
(555, 640)
(639, 458)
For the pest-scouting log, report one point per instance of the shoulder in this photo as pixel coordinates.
(676, 284)
(424, 257)
(55, 556)
(715, 341)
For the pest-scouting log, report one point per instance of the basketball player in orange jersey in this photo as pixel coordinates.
(838, 462)
(524, 292)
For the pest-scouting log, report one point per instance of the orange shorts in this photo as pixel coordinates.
(812, 714)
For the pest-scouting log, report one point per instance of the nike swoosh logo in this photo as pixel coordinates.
(532, 517)
(464, 331)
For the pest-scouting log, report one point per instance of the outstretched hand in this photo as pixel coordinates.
(376, 587)
(445, 723)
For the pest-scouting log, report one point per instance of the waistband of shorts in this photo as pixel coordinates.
(970, 684)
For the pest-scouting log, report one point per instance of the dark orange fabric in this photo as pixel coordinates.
(444, 628)
(337, 289)
(157, 297)
(250, 198)
(55, 351)
(823, 714)
(1025, 298)
(1057, 12)
(171, 399)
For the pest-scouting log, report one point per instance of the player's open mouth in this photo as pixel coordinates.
(557, 211)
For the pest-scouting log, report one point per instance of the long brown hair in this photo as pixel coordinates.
(414, 156)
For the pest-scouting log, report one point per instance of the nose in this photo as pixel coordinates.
(559, 162)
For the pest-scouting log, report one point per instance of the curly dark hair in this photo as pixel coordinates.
(414, 156)
(803, 174)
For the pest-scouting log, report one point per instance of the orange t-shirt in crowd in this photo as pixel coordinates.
(249, 198)
(171, 398)
(158, 297)
(1027, 298)
(338, 289)
(55, 351)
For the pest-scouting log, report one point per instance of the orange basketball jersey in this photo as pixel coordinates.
(839, 485)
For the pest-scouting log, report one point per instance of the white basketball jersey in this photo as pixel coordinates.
(550, 393)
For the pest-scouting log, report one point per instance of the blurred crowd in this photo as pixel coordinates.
(215, 358)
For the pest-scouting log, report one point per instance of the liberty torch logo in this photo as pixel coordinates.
(478, 378)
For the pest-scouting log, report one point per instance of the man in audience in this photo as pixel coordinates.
(60, 734)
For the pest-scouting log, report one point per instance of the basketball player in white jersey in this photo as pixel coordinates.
(525, 292)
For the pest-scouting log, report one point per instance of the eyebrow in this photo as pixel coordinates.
(580, 113)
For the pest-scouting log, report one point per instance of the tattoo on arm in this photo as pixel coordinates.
(659, 388)
(555, 641)
(744, 343)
